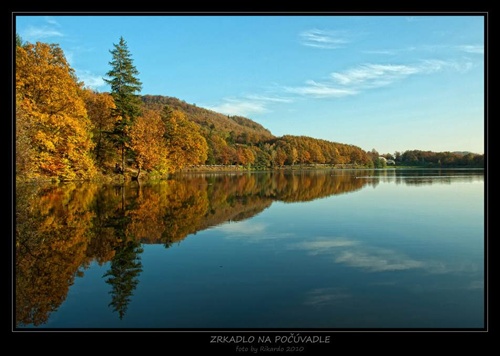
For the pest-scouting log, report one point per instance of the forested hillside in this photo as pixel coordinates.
(242, 128)
(236, 140)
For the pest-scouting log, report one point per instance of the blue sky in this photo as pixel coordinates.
(392, 83)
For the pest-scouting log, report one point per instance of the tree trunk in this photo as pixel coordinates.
(123, 158)
(137, 176)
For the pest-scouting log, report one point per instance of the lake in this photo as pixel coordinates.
(329, 249)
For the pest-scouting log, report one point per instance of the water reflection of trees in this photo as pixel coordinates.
(61, 229)
(425, 177)
(123, 275)
(51, 238)
(301, 186)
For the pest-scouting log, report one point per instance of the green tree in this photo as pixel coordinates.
(125, 87)
(19, 40)
(380, 163)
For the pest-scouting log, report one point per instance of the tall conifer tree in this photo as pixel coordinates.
(125, 87)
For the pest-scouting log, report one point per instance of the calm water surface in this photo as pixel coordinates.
(330, 249)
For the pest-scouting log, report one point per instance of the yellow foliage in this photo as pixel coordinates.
(52, 115)
(148, 143)
(186, 144)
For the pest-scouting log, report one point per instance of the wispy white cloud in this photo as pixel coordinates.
(323, 39)
(51, 21)
(377, 75)
(349, 82)
(398, 51)
(241, 107)
(468, 48)
(91, 80)
(373, 74)
(476, 49)
(355, 80)
(274, 99)
(320, 90)
(435, 65)
(248, 104)
(51, 28)
(33, 33)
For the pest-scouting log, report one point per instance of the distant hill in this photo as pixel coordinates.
(211, 120)
(464, 153)
(242, 141)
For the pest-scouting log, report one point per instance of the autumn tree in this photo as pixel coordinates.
(52, 128)
(125, 87)
(263, 157)
(186, 145)
(25, 152)
(148, 143)
(244, 156)
(100, 109)
(219, 149)
(293, 155)
(280, 157)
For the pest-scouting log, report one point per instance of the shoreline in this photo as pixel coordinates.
(235, 168)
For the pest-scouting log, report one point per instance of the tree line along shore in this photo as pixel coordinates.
(66, 131)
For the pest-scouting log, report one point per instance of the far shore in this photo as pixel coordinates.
(298, 167)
